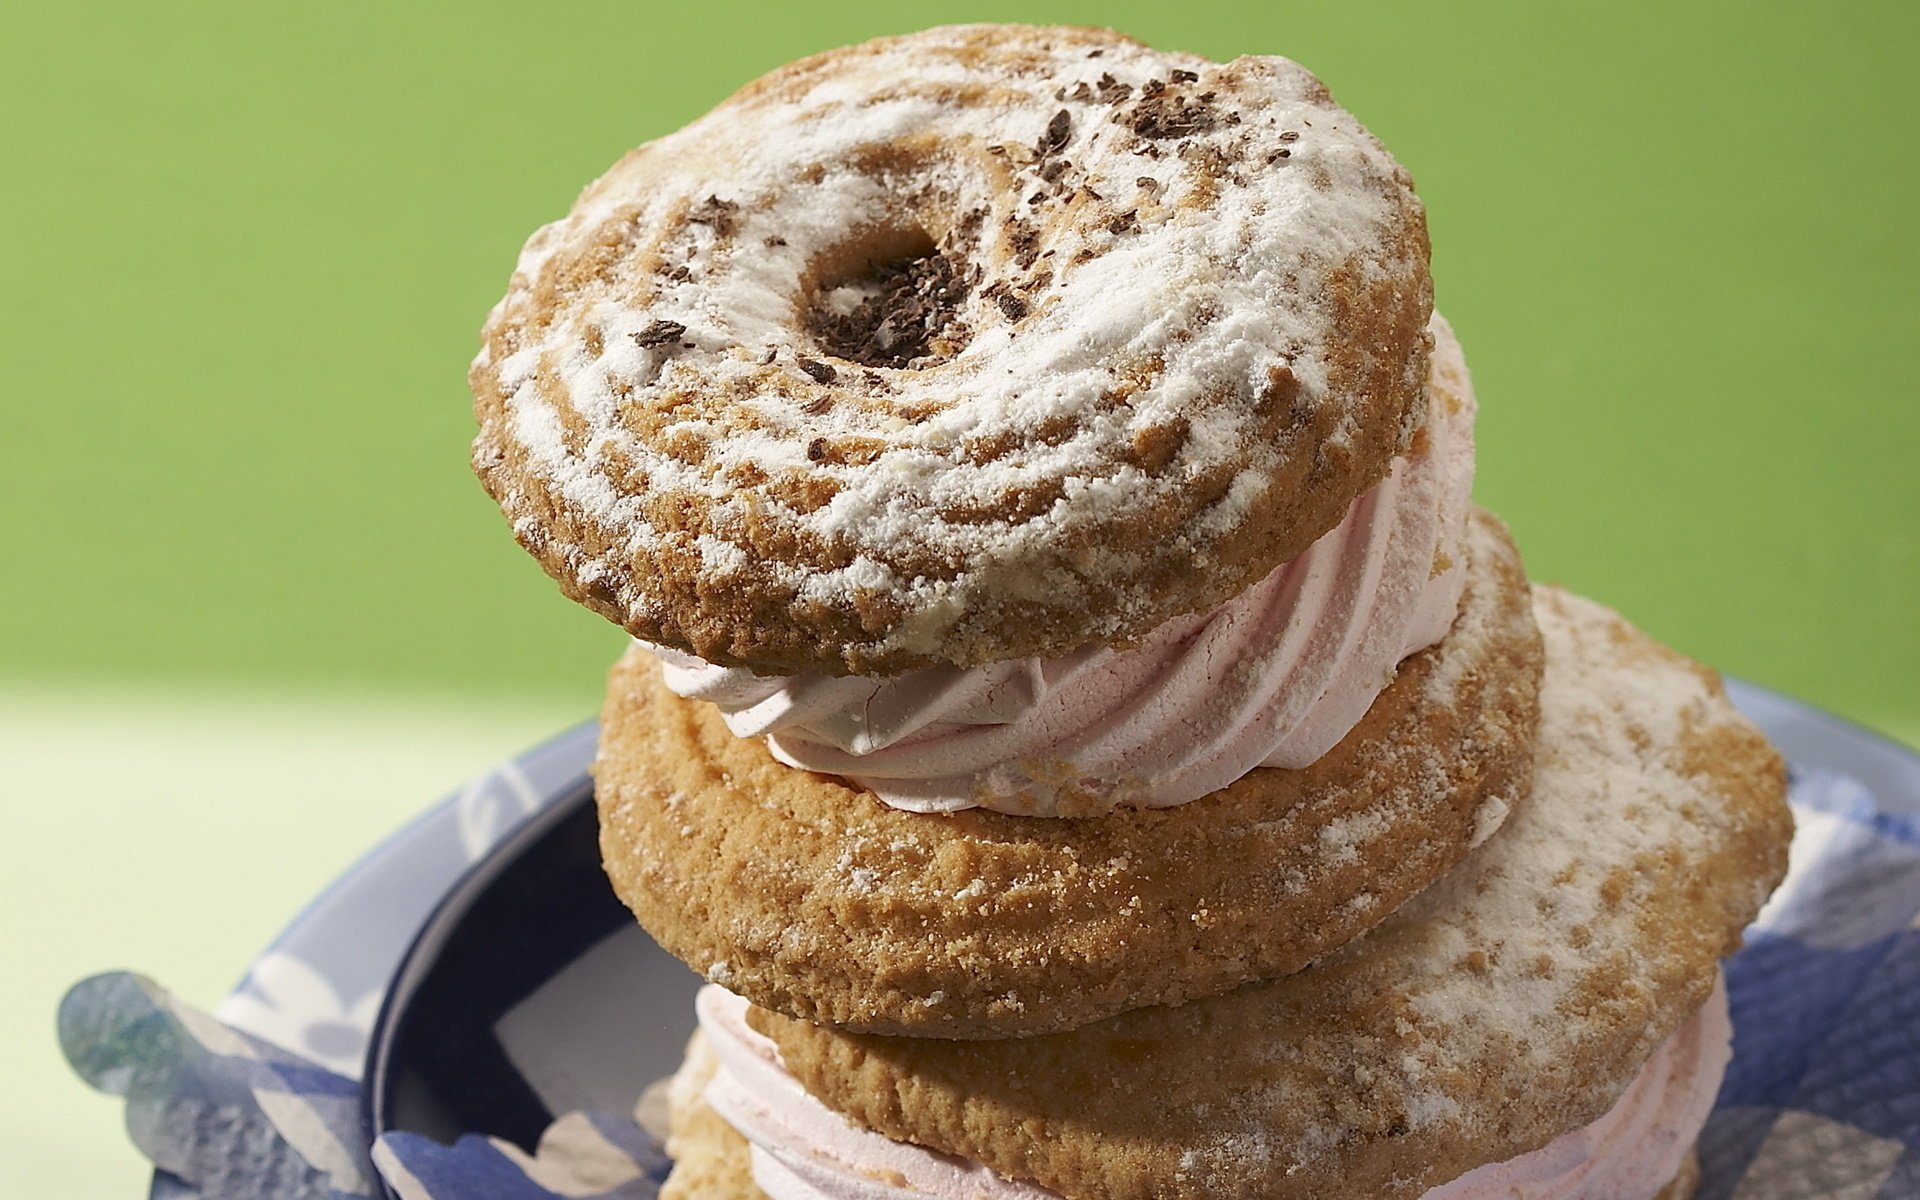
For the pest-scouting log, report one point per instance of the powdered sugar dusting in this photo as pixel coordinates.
(1510, 944)
(1609, 735)
(1150, 237)
(1275, 677)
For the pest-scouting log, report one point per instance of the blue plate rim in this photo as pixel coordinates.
(434, 933)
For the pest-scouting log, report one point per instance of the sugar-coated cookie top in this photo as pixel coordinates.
(978, 343)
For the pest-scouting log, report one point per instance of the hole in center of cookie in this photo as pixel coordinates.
(894, 302)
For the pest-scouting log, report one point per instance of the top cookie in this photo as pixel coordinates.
(985, 342)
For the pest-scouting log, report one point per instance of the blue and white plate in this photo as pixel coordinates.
(509, 985)
(319, 987)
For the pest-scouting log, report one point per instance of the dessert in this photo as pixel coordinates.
(807, 894)
(1570, 962)
(1077, 721)
(1157, 723)
(899, 360)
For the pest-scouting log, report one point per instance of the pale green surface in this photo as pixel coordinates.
(246, 249)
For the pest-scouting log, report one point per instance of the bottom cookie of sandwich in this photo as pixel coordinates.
(1545, 1022)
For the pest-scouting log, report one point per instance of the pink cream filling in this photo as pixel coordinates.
(802, 1150)
(1276, 677)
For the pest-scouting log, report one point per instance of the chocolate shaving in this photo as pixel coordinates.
(1160, 114)
(1012, 305)
(659, 333)
(1111, 90)
(1025, 240)
(818, 371)
(1058, 131)
(722, 215)
(1185, 77)
(912, 309)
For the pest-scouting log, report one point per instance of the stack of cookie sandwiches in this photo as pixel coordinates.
(1078, 721)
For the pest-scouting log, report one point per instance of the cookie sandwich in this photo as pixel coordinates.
(1077, 720)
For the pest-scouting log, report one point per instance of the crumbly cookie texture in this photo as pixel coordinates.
(978, 343)
(806, 894)
(1509, 1003)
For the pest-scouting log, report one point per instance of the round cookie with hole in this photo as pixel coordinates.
(945, 349)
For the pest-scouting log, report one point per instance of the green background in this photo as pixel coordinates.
(247, 248)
